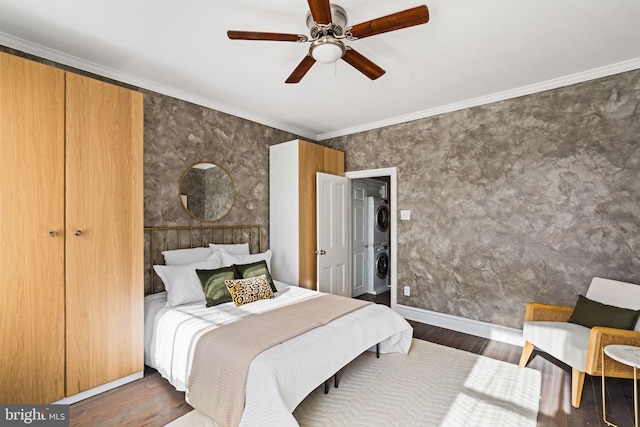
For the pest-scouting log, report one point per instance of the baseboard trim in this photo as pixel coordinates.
(468, 326)
(380, 290)
(100, 389)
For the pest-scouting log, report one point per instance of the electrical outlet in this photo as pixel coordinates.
(407, 291)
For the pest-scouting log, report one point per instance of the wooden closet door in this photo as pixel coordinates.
(312, 158)
(104, 223)
(31, 206)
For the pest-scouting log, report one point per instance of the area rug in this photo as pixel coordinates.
(433, 386)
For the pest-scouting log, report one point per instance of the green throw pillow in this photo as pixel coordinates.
(592, 313)
(256, 269)
(212, 281)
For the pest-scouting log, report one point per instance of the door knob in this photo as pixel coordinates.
(78, 233)
(321, 252)
(53, 233)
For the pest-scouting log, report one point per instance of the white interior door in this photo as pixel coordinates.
(359, 227)
(333, 196)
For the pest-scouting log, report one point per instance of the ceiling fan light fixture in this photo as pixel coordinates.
(328, 27)
(327, 50)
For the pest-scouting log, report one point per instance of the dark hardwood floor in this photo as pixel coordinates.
(152, 401)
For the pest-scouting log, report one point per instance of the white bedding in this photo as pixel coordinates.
(281, 377)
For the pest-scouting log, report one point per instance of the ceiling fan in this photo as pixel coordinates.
(327, 23)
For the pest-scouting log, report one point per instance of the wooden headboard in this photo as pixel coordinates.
(158, 239)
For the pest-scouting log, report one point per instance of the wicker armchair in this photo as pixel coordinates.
(546, 327)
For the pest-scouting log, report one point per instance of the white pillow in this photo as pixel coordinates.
(186, 256)
(181, 281)
(234, 249)
(230, 259)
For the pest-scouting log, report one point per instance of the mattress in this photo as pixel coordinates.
(286, 373)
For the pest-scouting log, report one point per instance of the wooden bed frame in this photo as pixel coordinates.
(158, 239)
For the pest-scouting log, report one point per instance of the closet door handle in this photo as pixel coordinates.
(321, 252)
(78, 233)
(53, 233)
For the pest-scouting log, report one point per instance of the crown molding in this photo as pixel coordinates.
(110, 73)
(87, 66)
(584, 76)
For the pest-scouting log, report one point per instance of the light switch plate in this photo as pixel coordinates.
(405, 214)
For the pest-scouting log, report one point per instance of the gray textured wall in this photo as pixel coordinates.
(520, 200)
(178, 134)
(516, 201)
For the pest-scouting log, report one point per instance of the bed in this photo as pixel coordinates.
(280, 377)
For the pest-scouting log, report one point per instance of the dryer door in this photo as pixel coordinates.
(382, 218)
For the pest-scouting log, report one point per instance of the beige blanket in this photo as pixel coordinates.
(222, 356)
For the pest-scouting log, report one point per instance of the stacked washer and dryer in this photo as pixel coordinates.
(378, 245)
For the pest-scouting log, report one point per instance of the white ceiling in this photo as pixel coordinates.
(471, 52)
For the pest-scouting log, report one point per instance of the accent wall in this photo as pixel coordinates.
(516, 201)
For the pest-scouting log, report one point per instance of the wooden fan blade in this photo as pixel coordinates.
(255, 35)
(362, 64)
(395, 21)
(321, 11)
(301, 69)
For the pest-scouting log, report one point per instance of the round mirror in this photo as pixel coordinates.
(207, 191)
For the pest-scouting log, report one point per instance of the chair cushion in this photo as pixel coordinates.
(616, 293)
(592, 313)
(567, 342)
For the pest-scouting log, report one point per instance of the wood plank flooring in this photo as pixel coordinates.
(152, 401)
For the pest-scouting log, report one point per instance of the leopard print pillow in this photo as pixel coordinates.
(244, 291)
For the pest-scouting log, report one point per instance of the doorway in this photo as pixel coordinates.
(374, 232)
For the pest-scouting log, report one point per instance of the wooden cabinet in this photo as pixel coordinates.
(292, 207)
(71, 232)
(31, 207)
(104, 233)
